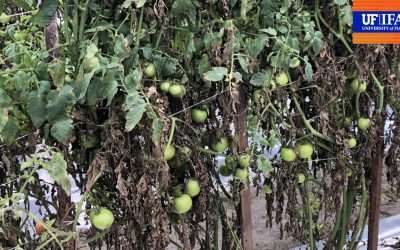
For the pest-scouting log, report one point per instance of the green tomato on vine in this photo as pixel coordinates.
(363, 123)
(177, 90)
(149, 70)
(182, 203)
(192, 188)
(282, 79)
(101, 218)
(199, 115)
(288, 154)
(169, 152)
(305, 151)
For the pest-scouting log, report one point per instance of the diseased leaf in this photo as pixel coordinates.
(57, 168)
(216, 74)
(10, 130)
(62, 129)
(256, 45)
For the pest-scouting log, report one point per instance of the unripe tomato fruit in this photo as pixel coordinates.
(225, 170)
(301, 178)
(101, 218)
(221, 145)
(351, 142)
(39, 228)
(305, 151)
(198, 115)
(242, 174)
(244, 160)
(177, 90)
(91, 63)
(182, 203)
(282, 79)
(164, 87)
(169, 152)
(192, 188)
(363, 123)
(4, 18)
(149, 70)
(288, 154)
(358, 86)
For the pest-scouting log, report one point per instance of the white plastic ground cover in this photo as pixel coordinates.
(389, 236)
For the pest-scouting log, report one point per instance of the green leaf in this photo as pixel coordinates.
(216, 74)
(138, 3)
(244, 63)
(47, 11)
(309, 72)
(3, 118)
(5, 100)
(59, 101)
(37, 108)
(62, 129)
(10, 131)
(184, 8)
(264, 165)
(82, 82)
(156, 127)
(133, 79)
(165, 66)
(270, 31)
(261, 78)
(256, 45)
(121, 47)
(135, 106)
(57, 168)
(57, 72)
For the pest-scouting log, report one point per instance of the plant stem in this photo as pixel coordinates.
(381, 92)
(171, 133)
(308, 124)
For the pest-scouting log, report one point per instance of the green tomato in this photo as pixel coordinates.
(305, 151)
(221, 145)
(258, 96)
(169, 152)
(294, 62)
(242, 174)
(244, 160)
(177, 90)
(363, 123)
(301, 178)
(4, 18)
(101, 218)
(282, 79)
(90, 63)
(351, 142)
(225, 170)
(20, 35)
(182, 203)
(267, 189)
(288, 154)
(165, 87)
(357, 86)
(347, 122)
(192, 188)
(198, 115)
(149, 70)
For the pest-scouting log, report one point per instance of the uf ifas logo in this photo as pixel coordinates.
(376, 22)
